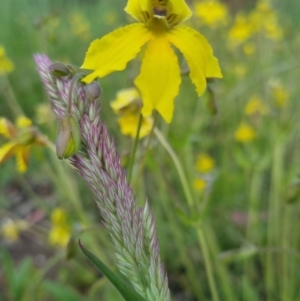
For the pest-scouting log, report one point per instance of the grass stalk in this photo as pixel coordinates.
(220, 267)
(274, 221)
(190, 201)
(179, 240)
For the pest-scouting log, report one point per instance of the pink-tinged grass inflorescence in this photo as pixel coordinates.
(132, 230)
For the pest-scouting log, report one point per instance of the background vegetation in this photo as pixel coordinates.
(238, 146)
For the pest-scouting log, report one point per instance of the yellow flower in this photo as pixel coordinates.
(159, 27)
(241, 29)
(21, 137)
(129, 124)
(240, 69)
(128, 105)
(127, 101)
(6, 65)
(205, 163)
(211, 12)
(60, 232)
(249, 48)
(245, 133)
(11, 229)
(80, 26)
(281, 96)
(255, 105)
(265, 19)
(199, 184)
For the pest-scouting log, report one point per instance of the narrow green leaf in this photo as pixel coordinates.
(124, 288)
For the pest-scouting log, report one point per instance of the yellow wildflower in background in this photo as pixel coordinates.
(240, 69)
(249, 48)
(265, 19)
(127, 105)
(21, 137)
(80, 26)
(127, 101)
(159, 27)
(211, 12)
(245, 133)
(129, 124)
(10, 229)
(281, 96)
(199, 184)
(241, 29)
(6, 65)
(204, 163)
(255, 105)
(60, 232)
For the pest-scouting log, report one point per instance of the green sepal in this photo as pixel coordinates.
(124, 288)
(59, 70)
(68, 137)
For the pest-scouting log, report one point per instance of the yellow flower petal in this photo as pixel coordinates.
(22, 156)
(199, 184)
(58, 216)
(60, 236)
(198, 54)
(6, 65)
(6, 128)
(245, 133)
(7, 150)
(124, 98)
(115, 50)
(129, 124)
(142, 10)
(205, 163)
(23, 122)
(9, 230)
(180, 9)
(134, 9)
(159, 80)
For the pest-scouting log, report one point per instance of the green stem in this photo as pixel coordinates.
(274, 218)
(252, 225)
(208, 265)
(286, 243)
(190, 201)
(142, 163)
(179, 240)
(183, 180)
(136, 142)
(221, 269)
(36, 281)
(11, 99)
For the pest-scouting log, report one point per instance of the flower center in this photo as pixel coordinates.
(160, 9)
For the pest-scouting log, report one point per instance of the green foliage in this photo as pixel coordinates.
(120, 284)
(248, 212)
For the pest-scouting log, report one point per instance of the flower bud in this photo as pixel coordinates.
(68, 138)
(93, 90)
(59, 70)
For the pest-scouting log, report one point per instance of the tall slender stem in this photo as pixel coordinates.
(190, 201)
(146, 149)
(274, 219)
(10, 98)
(207, 262)
(183, 179)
